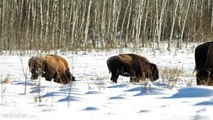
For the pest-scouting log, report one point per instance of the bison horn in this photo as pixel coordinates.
(209, 73)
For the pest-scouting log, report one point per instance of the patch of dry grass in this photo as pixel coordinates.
(170, 74)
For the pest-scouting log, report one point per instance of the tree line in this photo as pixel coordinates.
(83, 24)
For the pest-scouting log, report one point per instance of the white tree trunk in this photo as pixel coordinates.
(103, 23)
(42, 24)
(212, 20)
(75, 18)
(184, 22)
(128, 21)
(173, 24)
(138, 24)
(145, 23)
(159, 23)
(47, 22)
(87, 24)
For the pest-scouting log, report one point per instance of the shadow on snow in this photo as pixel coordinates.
(194, 92)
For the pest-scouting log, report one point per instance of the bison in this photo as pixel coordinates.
(50, 67)
(204, 66)
(131, 65)
(201, 54)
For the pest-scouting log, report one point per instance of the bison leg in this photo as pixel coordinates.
(114, 77)
(48, 75)
(48, 78)
(138, 77)
(200, 82)
(62, 78)
(133, 79)
(58, 78)
(209, 81)
(65, 79)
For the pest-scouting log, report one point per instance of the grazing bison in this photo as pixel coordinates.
(131, 65)
(50, 67)
(205, 71)
(201, 54)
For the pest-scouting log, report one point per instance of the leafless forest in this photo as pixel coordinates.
(103, 24)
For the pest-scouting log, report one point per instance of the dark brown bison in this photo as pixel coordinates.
(50, 67)
(205, 72)
(131, 65)
(201, 54)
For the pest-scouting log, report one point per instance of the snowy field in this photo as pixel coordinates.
(94, 97)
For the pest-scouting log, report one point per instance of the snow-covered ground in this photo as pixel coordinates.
(94, 97)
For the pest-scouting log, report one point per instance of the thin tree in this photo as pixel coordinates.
(128, 21)
(160, 21)
(173, 24)
(87, 24)
(184, 22)
(138, 24)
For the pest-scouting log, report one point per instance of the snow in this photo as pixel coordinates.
(94, 97)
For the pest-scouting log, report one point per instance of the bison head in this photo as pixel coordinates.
(203, 76)
(154, 72)
(36, 65)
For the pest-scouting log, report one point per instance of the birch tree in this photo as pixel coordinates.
(138, 25)
(73, 24)
(173, 23)
(87, 24)
(184, 22)
(159, 21)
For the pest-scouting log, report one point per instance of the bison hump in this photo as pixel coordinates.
(125, 58)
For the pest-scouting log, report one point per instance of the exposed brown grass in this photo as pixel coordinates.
(6, 80)
(170, 74)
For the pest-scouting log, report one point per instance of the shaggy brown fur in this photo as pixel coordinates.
(131, 65)
(50, 67)
(205, 74)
